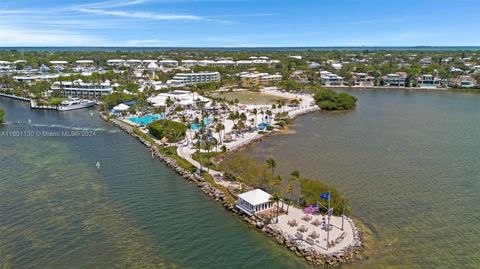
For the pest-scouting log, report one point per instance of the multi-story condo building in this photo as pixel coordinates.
(78, 88)
(116, 62)
(193, 78)
(256, 79)
(429, 81)
(395, 80)
(362, 80)
(330, 79)
(168, 63)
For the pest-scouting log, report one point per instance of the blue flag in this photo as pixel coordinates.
(325, 196)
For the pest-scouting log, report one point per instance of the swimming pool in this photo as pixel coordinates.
(147, 119)
(196, 126)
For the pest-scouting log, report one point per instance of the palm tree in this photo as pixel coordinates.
(219, 128)
(276, 199)
(289, 190)
(271, 164)
(276, 181)
(295, 178)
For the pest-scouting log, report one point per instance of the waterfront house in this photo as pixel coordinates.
(193, 78)
(463, 82)
(330, 79)
(429, 81)
(254, 201)
(80, 89)
(362, 80)
(395, 80)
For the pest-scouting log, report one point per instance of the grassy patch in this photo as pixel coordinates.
(206, 159)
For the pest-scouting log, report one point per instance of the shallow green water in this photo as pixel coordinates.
(409, 163)
(250, 98)
(57, 211)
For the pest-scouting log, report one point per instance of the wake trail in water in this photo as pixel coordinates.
(59, 126)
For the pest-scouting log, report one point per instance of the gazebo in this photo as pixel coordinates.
(254, 201)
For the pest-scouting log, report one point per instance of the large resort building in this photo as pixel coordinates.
(254, 201)
(193, 78)
(256, 79)
(180, 97)
(78, 88)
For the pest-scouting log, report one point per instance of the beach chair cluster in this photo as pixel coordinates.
(303, 229)
(292, 223)
(307, 217)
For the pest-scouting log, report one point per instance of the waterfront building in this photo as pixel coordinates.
(80, 89)
(254, 201)
(193, 78)
(429, 81)
(395, 80)
(255, 79)
(362, 80)
(465, 82)
(180, 97)
(330, 79)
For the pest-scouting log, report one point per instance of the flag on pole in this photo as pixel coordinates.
(325, 196)
(330, 212)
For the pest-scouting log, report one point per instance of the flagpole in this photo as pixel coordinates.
(343, 213)
(328, 225)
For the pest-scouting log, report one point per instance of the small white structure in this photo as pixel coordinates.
(179, 97)
(120, 108)
(254, 201)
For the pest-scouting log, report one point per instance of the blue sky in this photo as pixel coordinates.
(230, 23)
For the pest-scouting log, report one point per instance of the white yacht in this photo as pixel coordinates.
(75, 103)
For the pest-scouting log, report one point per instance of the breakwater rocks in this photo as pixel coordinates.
(206, 187)
(312, 256)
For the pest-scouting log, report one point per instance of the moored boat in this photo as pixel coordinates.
(75, 103)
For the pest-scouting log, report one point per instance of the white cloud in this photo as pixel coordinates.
(11, 36)
(146, 43)
(141, 15)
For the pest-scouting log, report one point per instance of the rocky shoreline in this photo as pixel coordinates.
(344, 255)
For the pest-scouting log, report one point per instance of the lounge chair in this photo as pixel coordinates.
(310, 241)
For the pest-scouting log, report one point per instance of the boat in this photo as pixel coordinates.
(75, 103)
